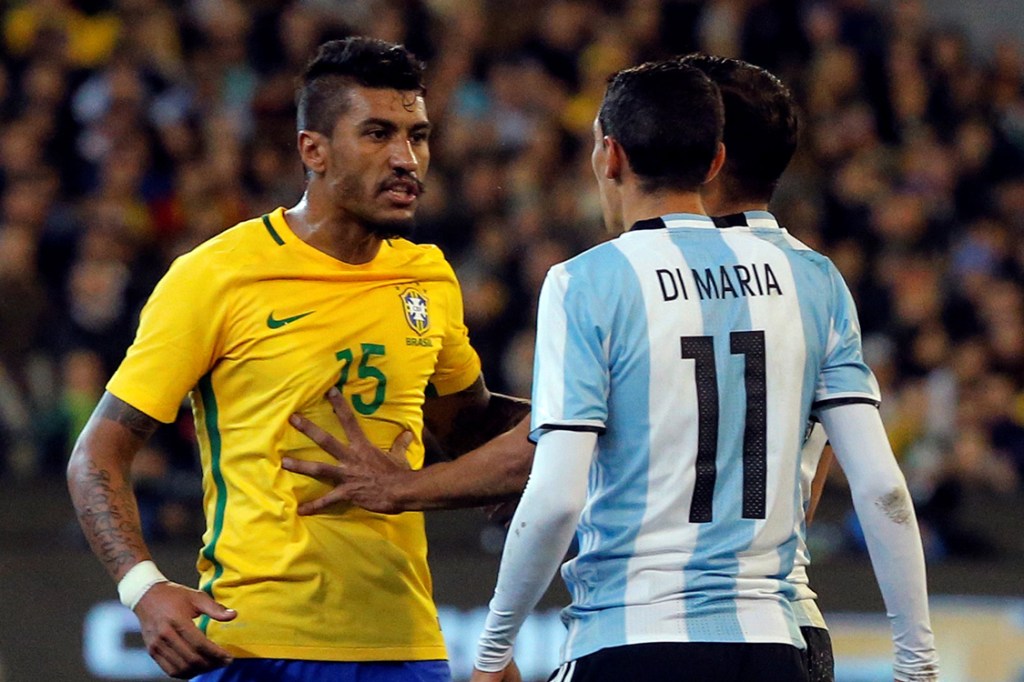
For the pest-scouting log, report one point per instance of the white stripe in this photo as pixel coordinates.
(587, 424)
(794, 242)
(785, 352)
(689, 222)
(560, 673)
(571, 669)
(876, 397)
(762, 222)
(665, 537)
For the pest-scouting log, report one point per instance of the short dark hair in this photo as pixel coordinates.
(761, 125)
(668, 118)
(321, 95)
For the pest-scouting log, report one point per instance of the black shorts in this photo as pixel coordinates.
(687, 662)
(818, 655)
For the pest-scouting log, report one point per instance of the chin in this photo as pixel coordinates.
(391, 229)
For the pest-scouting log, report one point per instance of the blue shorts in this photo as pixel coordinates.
(279, 670)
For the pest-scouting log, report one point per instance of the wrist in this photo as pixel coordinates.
(401, 491)
(137, 581)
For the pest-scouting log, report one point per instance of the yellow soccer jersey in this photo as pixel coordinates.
(257, 324)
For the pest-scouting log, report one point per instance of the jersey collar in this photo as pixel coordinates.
(747, 219)
(673, 220)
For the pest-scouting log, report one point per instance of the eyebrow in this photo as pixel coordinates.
(390, 125)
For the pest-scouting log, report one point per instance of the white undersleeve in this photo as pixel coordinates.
(886, 513)
(538, 537)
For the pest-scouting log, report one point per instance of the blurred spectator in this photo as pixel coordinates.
(132, 130)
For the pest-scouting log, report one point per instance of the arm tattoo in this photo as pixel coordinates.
(139, 423)
(100, 485)
(109, 517)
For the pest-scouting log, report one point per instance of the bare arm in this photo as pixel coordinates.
(493, 472)
(467, 419)
(818, 484)
(101, 491)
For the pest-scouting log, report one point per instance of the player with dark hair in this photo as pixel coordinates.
(257, 325)
(676, 369)
(760, 136)
(636, 106)
(761, 131)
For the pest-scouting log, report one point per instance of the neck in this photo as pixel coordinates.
(638, 205)
(331, 230)
(738, 206)
(721, 198)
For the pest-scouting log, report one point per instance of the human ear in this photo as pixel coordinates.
(313, 150)
(616, 158)
(716, 163)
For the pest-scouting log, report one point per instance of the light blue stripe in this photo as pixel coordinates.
(809, 271)
(845, 370)
(598, 580)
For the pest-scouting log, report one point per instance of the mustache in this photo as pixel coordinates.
(399, 180)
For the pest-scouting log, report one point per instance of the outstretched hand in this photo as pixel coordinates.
(365, 475)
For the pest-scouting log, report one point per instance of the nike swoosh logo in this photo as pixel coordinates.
(277, 324)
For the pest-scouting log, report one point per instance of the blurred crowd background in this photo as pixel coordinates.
(132, 130)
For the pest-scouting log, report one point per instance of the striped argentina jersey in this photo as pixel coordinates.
(697, 354)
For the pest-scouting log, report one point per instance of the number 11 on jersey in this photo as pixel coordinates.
(701, 349)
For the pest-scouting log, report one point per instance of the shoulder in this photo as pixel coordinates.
(601, 273)
(241, 237)
(425, 261)
(595, 262)
(250, 236)
(802, 253)
(415, 251)
(213, 260)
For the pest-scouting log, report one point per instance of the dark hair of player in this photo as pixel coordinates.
(668, 118)
(761, 125)
(322, 93)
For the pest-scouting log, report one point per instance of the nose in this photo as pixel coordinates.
(404, 156)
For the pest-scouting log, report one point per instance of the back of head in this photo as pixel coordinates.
(340, 64)
(761, 125)
(668, 118)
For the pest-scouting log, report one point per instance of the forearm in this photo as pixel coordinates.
(503, 412)
(542, 529)
(107, 512)
(814, 449)
(466, 425)
(494, 472)
(98, 477)
(886, 514)
(894, 544)
(818, 484)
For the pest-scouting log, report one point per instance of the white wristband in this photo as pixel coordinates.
(137, 581)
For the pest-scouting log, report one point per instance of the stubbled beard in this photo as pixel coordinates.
(350, 191)
(391, 229)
